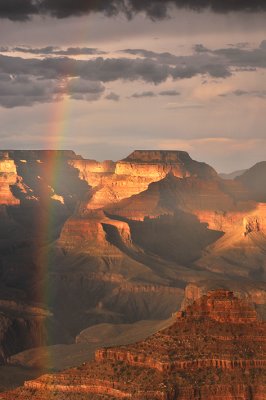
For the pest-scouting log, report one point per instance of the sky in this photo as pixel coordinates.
(105, 77)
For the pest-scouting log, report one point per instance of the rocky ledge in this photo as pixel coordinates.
(214, 350)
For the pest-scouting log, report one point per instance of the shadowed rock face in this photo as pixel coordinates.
(214, 350)
(254, 180)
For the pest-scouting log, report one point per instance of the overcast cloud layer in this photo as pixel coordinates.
(155, 9)
(104, 85)
(25, 81)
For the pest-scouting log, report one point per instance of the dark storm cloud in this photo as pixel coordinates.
(149, 67)
(199, 48)
(24, 91)
(242, 93)
(17, 10)
(98, 69)
(170, 92)
(80, 89)
(156, 9)
(112, 96)
(239, 55)
(164, 58)
(240, 45)
(52, 50)
(187, 66)
(143, 94)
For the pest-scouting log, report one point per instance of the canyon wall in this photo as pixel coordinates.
(207, 353)
(8, 177)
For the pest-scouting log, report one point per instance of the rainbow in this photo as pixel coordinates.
(51, 176)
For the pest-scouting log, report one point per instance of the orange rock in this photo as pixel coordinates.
(8, 177)
(215, 350)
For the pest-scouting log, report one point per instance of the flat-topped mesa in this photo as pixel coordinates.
(31, 155)
(158, 156)
(115, 181)
(222, 306)
(158, 163)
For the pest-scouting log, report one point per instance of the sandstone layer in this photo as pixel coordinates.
(113, 182)
(214, 350)
(8, 177)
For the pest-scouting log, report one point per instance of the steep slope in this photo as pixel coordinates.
(23, 326)
(29, 196)
(242, 250)
(232, 175)
(214, 350)
(62, 356)
(252, 292)
(254, 180)
(190, 194)
(8, 177)
(113, 182)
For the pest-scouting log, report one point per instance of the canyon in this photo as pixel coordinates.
(87, 247)
(214, 349)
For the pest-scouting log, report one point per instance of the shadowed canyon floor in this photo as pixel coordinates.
(102, 253)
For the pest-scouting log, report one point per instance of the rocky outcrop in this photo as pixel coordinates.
(21, 326)
(222, 306)
(214, 350)
(251, 219)
(41, 155)
(89, 234)
(8, 177)
(113, 182)
(249, 291)
(158, 163)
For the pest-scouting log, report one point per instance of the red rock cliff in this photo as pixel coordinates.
(214, 350)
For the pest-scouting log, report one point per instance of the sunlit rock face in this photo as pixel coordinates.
(252, 218)
(89, 234)
(249, 291)
(215, 349)
(158, 163)
(8, 177)
(113, 182)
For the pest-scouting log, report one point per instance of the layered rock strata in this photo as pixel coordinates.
(8, 177)
(214, 350)
(113, 182)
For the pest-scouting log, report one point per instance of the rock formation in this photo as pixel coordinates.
(22, 326)
(8, 177)
(254, 180)
(113, 182)
(253, 293)
(214, 350)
